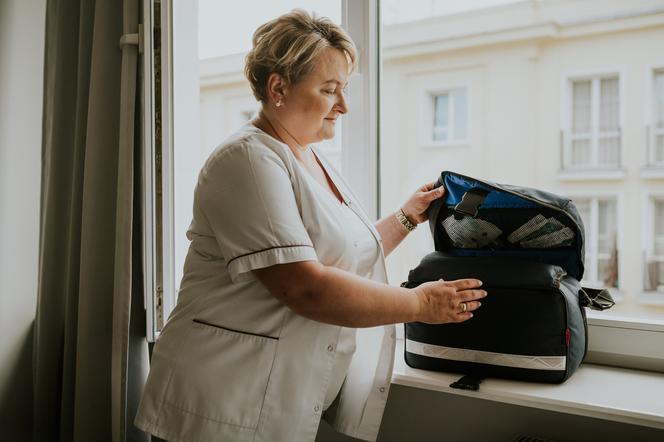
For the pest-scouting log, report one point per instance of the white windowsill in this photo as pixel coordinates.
(616, 394)
(652, 172)
(591, 174)
(651, 298)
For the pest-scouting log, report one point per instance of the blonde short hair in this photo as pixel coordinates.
(289, 45)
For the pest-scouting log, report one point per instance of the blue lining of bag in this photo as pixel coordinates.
(456, 187)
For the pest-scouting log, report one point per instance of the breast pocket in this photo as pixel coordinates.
(222, 374)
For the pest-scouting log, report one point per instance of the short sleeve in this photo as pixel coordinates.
(247, 197)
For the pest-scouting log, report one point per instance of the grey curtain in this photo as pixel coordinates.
(90, 357)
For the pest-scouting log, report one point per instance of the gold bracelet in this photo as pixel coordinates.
(401, 217)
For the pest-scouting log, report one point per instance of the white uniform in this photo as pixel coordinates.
(235, 364)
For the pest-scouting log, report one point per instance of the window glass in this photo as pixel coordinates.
(536, 108)
(441, 117)
(226, 98)
(658, 120)
(450, 116)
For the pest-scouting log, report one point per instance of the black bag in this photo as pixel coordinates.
(526, 246)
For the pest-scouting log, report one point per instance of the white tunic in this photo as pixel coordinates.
(366, 250)
(235, 364)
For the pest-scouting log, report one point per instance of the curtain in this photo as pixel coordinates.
(90, 359)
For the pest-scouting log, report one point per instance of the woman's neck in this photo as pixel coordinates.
(271, 125)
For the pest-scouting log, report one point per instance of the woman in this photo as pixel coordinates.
(284, 284)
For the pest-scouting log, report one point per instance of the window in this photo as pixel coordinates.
(653, 280)
(451, 71)
(212, 99)
(657, 139)
(599, 217)
(523, 124)
(449, 116)
(593, 139)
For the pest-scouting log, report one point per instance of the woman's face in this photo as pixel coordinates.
(311, 107)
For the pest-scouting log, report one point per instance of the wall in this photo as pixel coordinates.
(426, 416)
(21, 72)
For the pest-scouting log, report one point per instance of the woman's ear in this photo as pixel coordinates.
(277, 88)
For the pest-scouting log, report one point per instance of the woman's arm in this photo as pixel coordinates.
(392, 232)
(330, 295)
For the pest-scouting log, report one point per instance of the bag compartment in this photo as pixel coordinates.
(508, 208)
(520, 331)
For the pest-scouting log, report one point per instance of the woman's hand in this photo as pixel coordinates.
(416, 207)
(443, 301)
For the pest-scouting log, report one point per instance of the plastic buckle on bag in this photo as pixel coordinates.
(468, 382)
(470, 203)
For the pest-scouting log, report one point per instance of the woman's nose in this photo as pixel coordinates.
(341, 105)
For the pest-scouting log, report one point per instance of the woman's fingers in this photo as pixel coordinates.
(434, 193)
(471, 295)
(427, 187)
(464, 284)
(470, 306)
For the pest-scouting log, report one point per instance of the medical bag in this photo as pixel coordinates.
(527, 247)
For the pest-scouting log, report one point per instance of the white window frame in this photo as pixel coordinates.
(158, 269)
(566, 117)
(653, 297)
(650, 131)
(595, 195)
(360, 157)
(427, 126)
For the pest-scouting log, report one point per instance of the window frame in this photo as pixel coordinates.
(650, 198)
(594, 200)
(650, 131)
(427, 126)
(360, 136)
(566, 118)
(158, 172)
(618, 199)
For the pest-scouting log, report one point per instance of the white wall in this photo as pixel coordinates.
(21, 72)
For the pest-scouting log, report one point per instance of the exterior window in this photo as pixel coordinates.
(450, 116)
(654, 268)
(594, 138)
(599, 218)
(657, 156)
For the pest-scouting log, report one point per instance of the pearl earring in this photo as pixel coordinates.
(278, 103)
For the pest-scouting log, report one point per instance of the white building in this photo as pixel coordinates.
(566, 96)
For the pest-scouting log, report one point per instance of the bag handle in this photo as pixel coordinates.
(596, 299)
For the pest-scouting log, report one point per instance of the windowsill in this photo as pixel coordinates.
(652, 172)
(616, 394)
(651, 298)
(590, 174)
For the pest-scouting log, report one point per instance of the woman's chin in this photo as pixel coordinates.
(327, 134)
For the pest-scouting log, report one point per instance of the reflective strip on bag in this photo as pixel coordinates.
(554, 363)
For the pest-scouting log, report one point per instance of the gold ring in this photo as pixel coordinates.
(464, 307)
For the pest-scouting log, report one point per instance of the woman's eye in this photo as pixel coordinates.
(330, 92)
